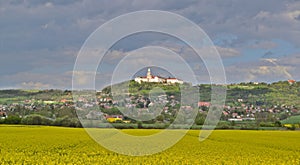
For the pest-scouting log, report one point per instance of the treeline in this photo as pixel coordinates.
(51, 115)
(66, 121)
(36, 119)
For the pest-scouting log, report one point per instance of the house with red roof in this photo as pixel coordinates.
(291, 82)
(202, 103)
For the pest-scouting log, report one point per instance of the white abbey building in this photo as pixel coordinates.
(157, 79)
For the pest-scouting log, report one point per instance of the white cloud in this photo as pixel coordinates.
(265, 70)
(34, 85)
(228, 52)
(36, 80)
(49, 4)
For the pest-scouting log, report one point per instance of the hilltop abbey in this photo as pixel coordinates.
(157, 79)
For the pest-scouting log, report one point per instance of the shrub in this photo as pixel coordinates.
(36, 120)
(12, 120)
(67, 122)
(277, 124)
(139, 124)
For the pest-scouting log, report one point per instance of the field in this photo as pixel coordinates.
(58, 145)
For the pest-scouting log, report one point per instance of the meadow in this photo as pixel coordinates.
(59, 145)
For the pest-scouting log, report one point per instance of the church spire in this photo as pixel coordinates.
(149, 73)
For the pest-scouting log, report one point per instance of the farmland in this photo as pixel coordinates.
(59, 145)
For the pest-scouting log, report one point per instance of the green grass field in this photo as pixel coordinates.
(58, 145)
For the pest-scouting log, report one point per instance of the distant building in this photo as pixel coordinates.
(202, 103)
(157, 79)
(3, 115)
(242, 119)
(240, 100)
(173, 81)
(249, 119)
(235, 119)
(65, 101)
(114, 118)
(291, 82)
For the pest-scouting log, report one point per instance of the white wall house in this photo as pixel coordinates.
(157, 79)
(152, 79)
(174, 80)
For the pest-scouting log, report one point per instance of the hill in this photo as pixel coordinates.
(264, 104)
(259, 94)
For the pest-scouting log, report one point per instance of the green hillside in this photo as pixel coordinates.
(292, 120)
(259, 94)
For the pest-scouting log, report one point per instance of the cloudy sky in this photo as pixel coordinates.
(39, 39)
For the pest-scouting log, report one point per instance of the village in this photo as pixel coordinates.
(105, 109)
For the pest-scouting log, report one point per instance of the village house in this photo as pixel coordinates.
(3, 115)
(202, 103)
(291, 82)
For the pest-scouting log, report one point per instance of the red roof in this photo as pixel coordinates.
(206, 104)
(291, 81)
(3, 113)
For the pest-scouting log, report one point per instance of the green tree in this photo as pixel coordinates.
(12, 120)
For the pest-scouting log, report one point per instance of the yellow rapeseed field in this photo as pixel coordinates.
(57, 145)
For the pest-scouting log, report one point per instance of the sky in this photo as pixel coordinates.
(258, 41)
